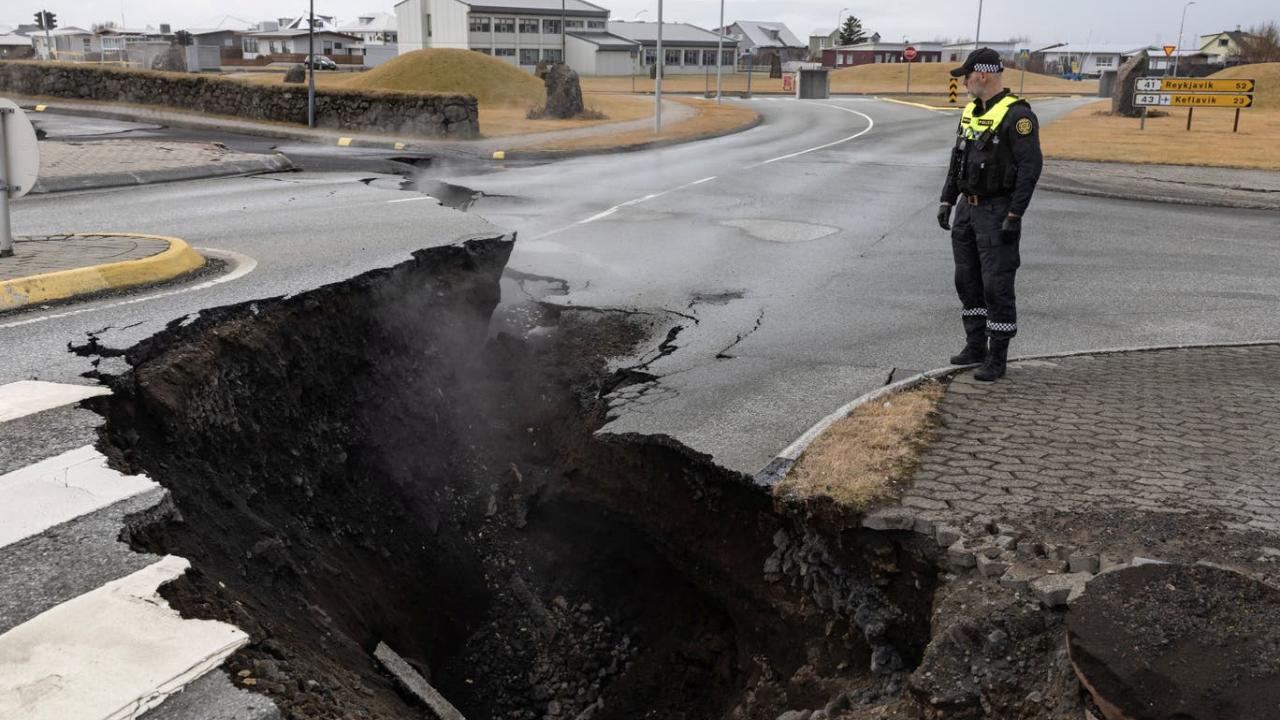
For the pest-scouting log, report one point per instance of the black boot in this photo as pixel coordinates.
(974, 352)
(994, 366)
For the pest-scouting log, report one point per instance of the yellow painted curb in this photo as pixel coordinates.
(935, 108)
(178, 259)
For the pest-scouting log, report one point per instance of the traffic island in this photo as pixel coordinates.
(85, 165)
(52, 268)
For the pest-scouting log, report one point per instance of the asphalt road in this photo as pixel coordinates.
(802, 257)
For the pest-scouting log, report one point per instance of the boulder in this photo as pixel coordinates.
(296, 74)
(775, 67)
(1126, 84)
(564, 92)
(172, 60)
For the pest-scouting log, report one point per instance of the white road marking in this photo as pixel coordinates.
(870, 124)
(110, 654)
(244, 265)
(27, 397)
(61, 488)
(412, 199)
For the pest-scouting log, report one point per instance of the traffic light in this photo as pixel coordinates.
(46, 20)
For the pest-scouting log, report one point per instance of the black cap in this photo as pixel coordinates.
(980, 60)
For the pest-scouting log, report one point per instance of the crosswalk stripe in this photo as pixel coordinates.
(61, 488)
(27, 397)
(110, 654)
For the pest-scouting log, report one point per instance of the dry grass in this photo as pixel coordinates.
(932, 78)
(1092, 133)
(488, 79)
(869, 456)
(507, 120)
(732, 83)
(927, 78)
(712, 119)
(1268, 77)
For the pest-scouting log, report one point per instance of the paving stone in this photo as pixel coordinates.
(1055, 591)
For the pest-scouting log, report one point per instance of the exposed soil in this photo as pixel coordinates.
(364, 463)
(1184, 642)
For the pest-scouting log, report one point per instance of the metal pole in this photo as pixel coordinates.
(48, 39)
(1189, 111)
(661, 60)
(1236, 128)
(977, 37)
(719, 51)
(1142, 124)
(1183, 24)
(6, 231)
(311, 61)
(751, 66)
(562, 48)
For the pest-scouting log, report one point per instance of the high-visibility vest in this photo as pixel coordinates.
(972, 125)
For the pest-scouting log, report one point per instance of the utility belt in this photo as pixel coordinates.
(984, 199)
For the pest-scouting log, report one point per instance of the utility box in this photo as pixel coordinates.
(1107, 83)
(814, 85)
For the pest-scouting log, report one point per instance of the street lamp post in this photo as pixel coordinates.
(840, 19)
(562, 48)
(311, 71)
(719, 51)
(661, 61)
(1177, 54)
(977, 36)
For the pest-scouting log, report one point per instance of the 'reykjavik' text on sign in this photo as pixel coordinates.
(1175, 85)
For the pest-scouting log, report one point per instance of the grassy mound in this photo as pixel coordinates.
(935, 78)
(1267, 93)
(491, 81)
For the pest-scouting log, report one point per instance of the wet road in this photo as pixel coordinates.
(802, 258)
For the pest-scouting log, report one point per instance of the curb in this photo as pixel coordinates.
(266, 164)
(649, 145)
(781, 465)
(177, 260)
(1224, 202)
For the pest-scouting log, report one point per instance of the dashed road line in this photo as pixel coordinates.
(59, 489)
(28, 397)
(112, 653)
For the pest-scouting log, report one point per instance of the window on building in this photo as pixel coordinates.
(1104, 61)
(528, 27)
(550, 27)
(1223, 42)
(672, 57)
(650, 56)
(337, 46)
(483, 51)
(691, 57)
(553, 56)
(708, 57)
(504, 52)
(480, 24)
(504, 25)
(574, 24)
(529, 56)
(595, 25)
(728, 58)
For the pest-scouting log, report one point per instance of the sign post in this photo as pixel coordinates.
(910, 55)
(1023, 56)
(19, 165)
(1191, 93)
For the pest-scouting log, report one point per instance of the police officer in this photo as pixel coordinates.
(994, 168)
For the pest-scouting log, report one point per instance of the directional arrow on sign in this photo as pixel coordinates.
(1192, 100)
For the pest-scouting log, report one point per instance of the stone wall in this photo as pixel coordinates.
(407, 113)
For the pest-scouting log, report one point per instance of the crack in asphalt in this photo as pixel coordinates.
(724, 354)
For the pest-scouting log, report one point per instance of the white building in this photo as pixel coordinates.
(297, 42)
(687, 49)
(602, 53)
(1090, 60)
(376, 28)
(520, 32)
(957, 52)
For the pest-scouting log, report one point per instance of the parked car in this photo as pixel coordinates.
(321, 63)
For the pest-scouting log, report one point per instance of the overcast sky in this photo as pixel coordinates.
(1076, 21)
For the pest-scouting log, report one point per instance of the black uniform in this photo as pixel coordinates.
(993, 175)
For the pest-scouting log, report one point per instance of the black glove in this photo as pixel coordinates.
(1011, 230)
(944, 216)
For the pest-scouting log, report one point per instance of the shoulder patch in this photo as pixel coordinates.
(1024, 126)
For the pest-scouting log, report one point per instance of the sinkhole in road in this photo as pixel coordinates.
(367, 463)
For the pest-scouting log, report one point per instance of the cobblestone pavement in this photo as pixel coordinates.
(1192, 432)
(39, 255)
(61, 159)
